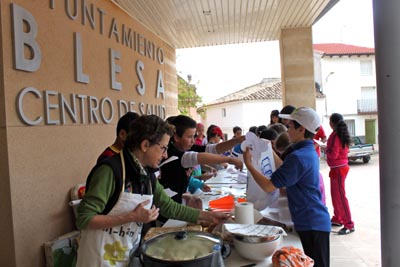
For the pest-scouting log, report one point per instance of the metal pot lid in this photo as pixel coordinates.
(180, 246)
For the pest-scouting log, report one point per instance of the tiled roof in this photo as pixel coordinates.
(265, 90)
(333, 49)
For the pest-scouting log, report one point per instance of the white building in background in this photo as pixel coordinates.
(346, 75)
(345, 83)
(250, 106)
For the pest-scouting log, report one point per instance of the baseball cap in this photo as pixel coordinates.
(217, 131)
(306, 117)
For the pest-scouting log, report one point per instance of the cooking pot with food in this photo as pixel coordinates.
(181, 249)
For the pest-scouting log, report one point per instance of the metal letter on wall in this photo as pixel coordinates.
(103, 102)
(79, 75)
(115, 69)
(140, 88)
(20, 105)
(50, 106)
(22, 39)
(160, 85)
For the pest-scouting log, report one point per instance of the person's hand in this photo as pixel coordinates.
(247, 156)
(206, 188)
(282, 191)
(192, 201)
(141, 214)
(237, 162)
(207, 218)
(241, 139)
(207, 175)
(323, 147)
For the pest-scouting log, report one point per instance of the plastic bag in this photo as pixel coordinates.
(264, 162)
(291, 257)
(62, 251)
(65, 257)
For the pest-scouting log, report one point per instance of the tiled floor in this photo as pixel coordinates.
(361, 248)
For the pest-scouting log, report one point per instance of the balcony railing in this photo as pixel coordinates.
(367, 106)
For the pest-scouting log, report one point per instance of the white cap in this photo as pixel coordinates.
(306, 117)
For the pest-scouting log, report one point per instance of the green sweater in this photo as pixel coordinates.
(102, 187)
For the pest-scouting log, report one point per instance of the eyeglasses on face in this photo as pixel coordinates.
(163, 148)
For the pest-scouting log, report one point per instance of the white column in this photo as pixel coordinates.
(387, 44)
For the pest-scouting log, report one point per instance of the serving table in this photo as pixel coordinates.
(235, 260)
(228, 181)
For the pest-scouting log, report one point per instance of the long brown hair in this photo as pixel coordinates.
(340, 127)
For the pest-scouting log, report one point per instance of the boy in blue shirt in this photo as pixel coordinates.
(299, 173)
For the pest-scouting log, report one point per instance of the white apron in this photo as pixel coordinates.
(113, 247)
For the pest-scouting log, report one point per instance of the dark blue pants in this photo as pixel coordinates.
(316, 246)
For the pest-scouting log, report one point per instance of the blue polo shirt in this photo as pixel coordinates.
(299, 173)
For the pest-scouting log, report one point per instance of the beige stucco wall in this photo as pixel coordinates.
(297, 67)
(40, 163)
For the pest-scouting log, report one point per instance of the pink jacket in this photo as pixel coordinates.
(336, 155)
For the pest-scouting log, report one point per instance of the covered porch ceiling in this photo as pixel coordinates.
(195, 23)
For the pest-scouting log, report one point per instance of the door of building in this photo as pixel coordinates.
(370, 131)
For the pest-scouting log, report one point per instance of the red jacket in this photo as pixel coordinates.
(336, 155)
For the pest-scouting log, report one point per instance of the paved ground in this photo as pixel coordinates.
(361, 248)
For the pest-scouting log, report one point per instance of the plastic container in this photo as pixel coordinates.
(217, 260)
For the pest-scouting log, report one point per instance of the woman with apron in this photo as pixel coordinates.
(122, 193)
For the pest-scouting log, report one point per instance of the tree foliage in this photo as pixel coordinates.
(187, 96)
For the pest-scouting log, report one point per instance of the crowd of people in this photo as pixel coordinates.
(125, 190)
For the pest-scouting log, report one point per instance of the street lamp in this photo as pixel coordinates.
(327, 76)
(326, 95)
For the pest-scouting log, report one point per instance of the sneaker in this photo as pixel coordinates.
(336, 224)
(345, 231)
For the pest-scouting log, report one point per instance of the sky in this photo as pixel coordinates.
(220, 70)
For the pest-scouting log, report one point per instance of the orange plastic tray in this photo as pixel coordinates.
(227, 202)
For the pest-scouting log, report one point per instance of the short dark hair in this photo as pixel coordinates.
(125, 121)
(260, 129)
(170, 119)
(253, 129)
(236, 128)
(282, 141)
(307, 133)
(182, 123)
(269, 134)
(278, 127)
(288, 109)
(147, 127)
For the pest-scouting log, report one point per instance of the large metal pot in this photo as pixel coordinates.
(180, 249)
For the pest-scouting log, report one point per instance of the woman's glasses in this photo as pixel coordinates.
(163, 148)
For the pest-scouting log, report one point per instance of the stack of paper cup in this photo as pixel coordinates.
(244, 213)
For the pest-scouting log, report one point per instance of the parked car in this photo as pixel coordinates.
(360, 150)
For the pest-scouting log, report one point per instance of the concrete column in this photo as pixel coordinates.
(297, 67)
(387, 43)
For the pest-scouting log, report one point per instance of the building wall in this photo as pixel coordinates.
(344, 85)
(341, 83)
(234, 115)
(247, 113)
(44, 149)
